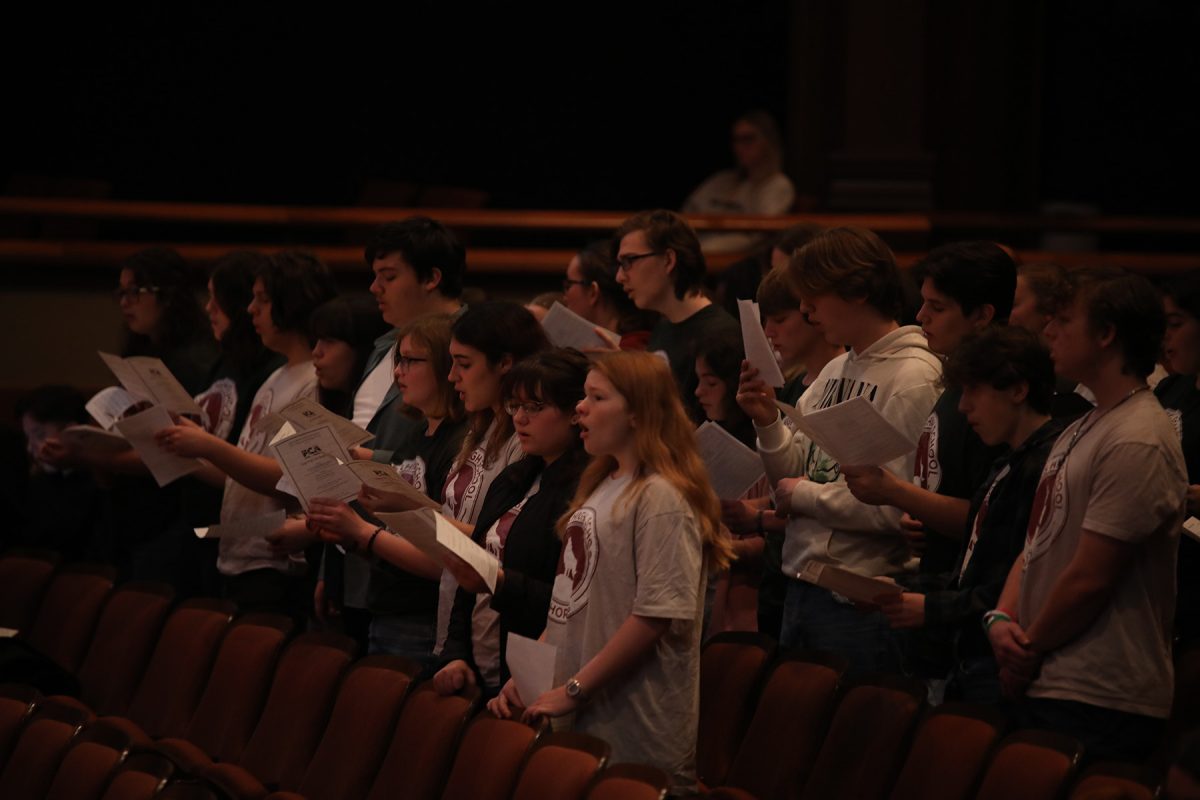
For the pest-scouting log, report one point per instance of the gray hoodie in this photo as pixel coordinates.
(900, 375)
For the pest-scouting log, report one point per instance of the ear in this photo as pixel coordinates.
(592, 292)
(1019, 392)
(1106, 337)
(434, 280)
(669, 255)
(506, 363)
(982, 316)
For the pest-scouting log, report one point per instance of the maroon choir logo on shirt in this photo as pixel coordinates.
(928, 469)
(412, 470)
(576, 566)
(463, 484)
(1048, 516)
(217, 405)
(250, 431)
(497, 537)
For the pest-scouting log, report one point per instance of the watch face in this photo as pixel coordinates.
(572, 688)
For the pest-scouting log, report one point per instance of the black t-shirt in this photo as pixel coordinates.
(425, 462)
(678, 340)
(1181, 399)
(954, 462)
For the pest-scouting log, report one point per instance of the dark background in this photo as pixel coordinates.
(599, 105)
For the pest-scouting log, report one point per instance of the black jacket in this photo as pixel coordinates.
(531, 552)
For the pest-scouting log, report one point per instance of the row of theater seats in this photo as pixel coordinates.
(788, 725)
(196, 702)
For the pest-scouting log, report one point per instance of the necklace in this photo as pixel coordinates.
(1084, 427)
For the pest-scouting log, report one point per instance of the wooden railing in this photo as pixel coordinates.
(914, 231)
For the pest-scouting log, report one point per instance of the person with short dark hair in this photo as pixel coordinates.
(965, 287)
(591, 290)
(1004, 380)
(265, 573)
(662, 269)
(1041, 288)
(850, 289)
(1179, 394)
(1082, 632)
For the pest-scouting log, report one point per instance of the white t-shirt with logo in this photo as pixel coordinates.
(286, 385)
(639, 554)
(462, 500)
(1125, 478)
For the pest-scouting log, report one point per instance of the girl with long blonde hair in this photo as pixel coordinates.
(639, 540)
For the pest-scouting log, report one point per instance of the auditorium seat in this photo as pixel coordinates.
(39, 750)
(423, 744)
(293, 719)
(233, 697)
(85, 769)
(560, 766)
(489, 759)
(1032, 765)
(867, 739)
(167, 695)
(17, 703)
(1111, 780)
(24, 576)
(140, 777)
(124, 637)
(66, 617)
(629, 782)
(731, 667)
(789, 723)
(948, 754)
(359, 729)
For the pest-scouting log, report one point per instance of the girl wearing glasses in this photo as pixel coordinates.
(516, 523)
(402, 622)
(486, 342)
(590, 289)
(639, 540)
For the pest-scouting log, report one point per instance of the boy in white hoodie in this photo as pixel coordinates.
(851, 289)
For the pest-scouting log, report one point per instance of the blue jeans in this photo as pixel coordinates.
(813, 619)
(410, 636)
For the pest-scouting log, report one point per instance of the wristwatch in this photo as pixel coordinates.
(575, 691)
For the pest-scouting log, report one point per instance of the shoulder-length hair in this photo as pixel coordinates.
(432, 332)
(665, 445)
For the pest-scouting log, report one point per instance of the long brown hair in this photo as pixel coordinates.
(665, 445)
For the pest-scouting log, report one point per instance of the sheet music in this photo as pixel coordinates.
(565, 328)
(313, 461)
(89, 437)
(306, 414)
(109, 405)
(384, 478)
(434, 535)
(532, 666)
(149, 379)
(733, 468)
(759, 351)
(854, 433)
(140, 429)
(851, 585)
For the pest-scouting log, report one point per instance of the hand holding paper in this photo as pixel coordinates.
(759, 351)
(565, 328)
(532, 665)
(314, 462)
(854, 433)
(140, 430)
(436, 536)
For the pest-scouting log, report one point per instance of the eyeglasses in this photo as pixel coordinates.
(405, 363)
(626, 262)
(133, 292)
(531, 409)
(569, 282)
